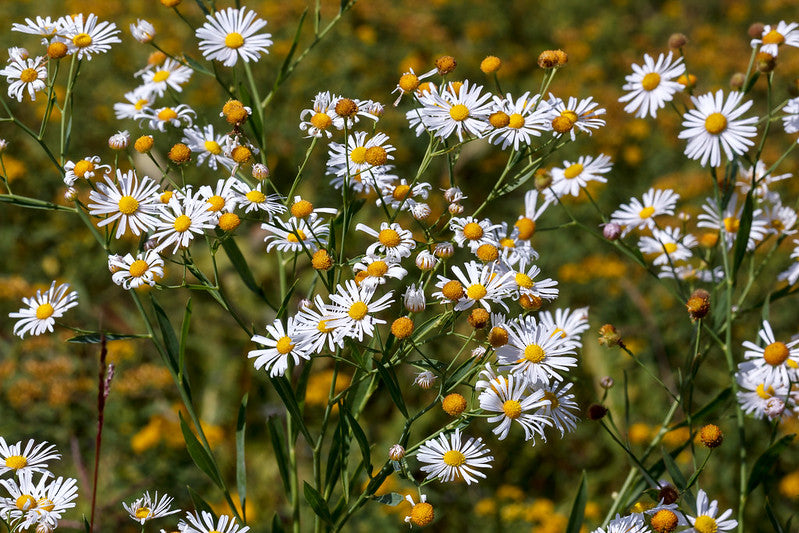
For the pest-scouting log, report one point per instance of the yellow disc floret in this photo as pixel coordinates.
(182, 223)
(534, 353)
(452, 290)
(376, 156)
(15, 462)
(138, 268)
(28, 75)
(476, 291)
(301, 209)
(389, 238)
(515, 121)
(573, 171)
(459, 112)
(82, 40)
(512, 409)
(453, 458)
(402, 328)
(422, 514)
(229, 221)
(499, 119)
(646, 212)
(284, 345)
(321, 121)
(473, 231)
(358, 311)
(44, 311)
(128, 205)
(256, 197)
(705, 524)
(776, 353)
(715, 123)
(358, 155)
(650, 81)
(234, 40)
(454, 404)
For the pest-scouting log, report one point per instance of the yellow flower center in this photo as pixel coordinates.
(473, 231)
(358, 155)
(256, 197)
(229, 221)
(293, 238)
(731, 224)
(139, 105)
(167, 113)
(166, 196)
(534, 353)
(571, 115)
(82, 167)
(213, 147)
(234, 40)
(301, 209)
(142, 512)
(512, 409)
(524, 281)
(664, 521)
(526, 227)
(401, 192)
(284, 345)
(476, 291)
(160, 76)
(650, 81)
(28, 75)
(45, 504)
(376, 156)
(715, 123)
(553, 399)
(764, 392)
(454, 458)
(322, 326)
(408, 82)
(217, 203)
(128, 205)
(44, 311)
(705, 524)
(82, 40)
(452, 290)
(776, 353)
(773, 37)
(389, 238)
(377, 269)
(670, 247)
(573, 171)
(507, 242)
(26, 502)
(358, 310)
(138, 268)
(515, 121)
(499, 119)
(422, 514)
(321, 121)
(15, 462)
(182, 223)
(646, 212)
(459, 112)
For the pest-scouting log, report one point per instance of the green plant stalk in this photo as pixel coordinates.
(66, 111)
(259, 109)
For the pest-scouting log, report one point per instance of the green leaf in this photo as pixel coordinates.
(332, 471)
(388, 377)
(86, 526)
(764, 463)
(285, 303)
(674, 470)
(199, 503)
(94, 338)
(196, 65)
(464, 369)
(578, 507)
(286, 393)
(284, 68)
(184, 336)
(277, 527)
(317, 503)
(278, 437)
(199, 455)
(360, 437)
(168, 333)
(742, 235)
(241, 469)
(772, 517)
(392, 499)
(240, 264)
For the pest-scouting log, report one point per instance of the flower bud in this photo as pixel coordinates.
(597, 411)
(455, 209)
(445, 65)
(396, 452)
(425, 379)
(711, 436)
(543, 178)
(490, 64)
(677, 40)
(414, 299)
(755, 31)
(260, 171)
(425, 260)
(611, 231)
(478, 318)
(606, 382)
(119, 141)
(774, 408)
(608, 336)
(737, 80)
(444, 250)
(698, 304)
(454, 404)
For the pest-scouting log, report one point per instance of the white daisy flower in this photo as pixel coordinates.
(180, 221)
(640, 214)
(350, 110)
(584, 114)
(352, 310)
(633, 523)
(421, 513)
(482, 284)
(773, 37)
(506, 396)
(714, 126)
(137, 99)
(568, 323)
(282, 343)
(130, 204)
(667, 245)
(360, 155)
(142, 31)
(33, 458)
(42, 310)
(754, 393)
(525, 225)
(86, 168)
(792, 273)
(253, 199)
(535, 351)
(706, 519)
(313, 325)
(791, 119)
(131, 272)
(513, 249)
(322, 115)
(474, 233)
(450, 459)
(517, 121)
(207, 146)
(149, 508)
(561, 407)
(158, 119)
(43, 26)
(171, 74)
(223, 198)
(232, 34)
(779, 219)
(377, 269)
(574, 176)
(762, 179)
(728, 221)
(409, 82)
(296, 234)
(392, 240)
(87, 36)
(25, 75)
(37, 503)
(396, 195)
(524, 279)
(462, 111)
(776, 363)
(203, 522)
(652, 85)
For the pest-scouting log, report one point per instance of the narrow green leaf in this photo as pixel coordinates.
(333, 468)
(196, 65)
(199, 455)
(388, 377)
(391, 499)
(285, 303)
(709, 408)
(360, 436)
(578, 507)
(94, 338)
(278, 437)
(241, 470)
(287, 61)
(463, 369)
(742, 235)
(317, 503)
(674, 471)
(772, 517)
(764, 463)
(199, 503)
(286, 393)
(184, 336)
(86, 526)
(35, 203)
(168, 333)
(277, 527)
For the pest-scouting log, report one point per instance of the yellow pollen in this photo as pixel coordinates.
(376, 156)
(28, 75)
(571, 115)
(293, 238)
(476, 291)
(321, 121)
(715, 123)
(142, 512)
(182, 223)
(256, 197)
(82, 167)
(473, 231)
(534, 353)
(128, 205)
(776, 353)
(139, 105)
(777, 224)
(664, 521)
(213, 147)
(650, 81)
(45, 504)
(82, 40)
(389, 238)
(487, 252)
(229, 221)
(763, 392)
(499, 119)
(646, 212)
(455, 87)
(705, 524)
(15, 462)
(166, 196)
(160, 76)
(515, 121)
(301, 209)
(524, 281)
(553, 399)
(358, 155)
(422, 514)
(217, 203)
(507, 242)
(322, 326)
(459, 112)
(408, 82)
(284, 345)
(670, 247)
(234, 40)
(526, 227)
(731, 224)
(512, 409)
(166, 114)
(358, 310)
(377, 269)
(138, 268)
(401, 192)
(26, 502)
(773, 37)
(573, 171)
(452, 290)
(44, 311)
(454, 458)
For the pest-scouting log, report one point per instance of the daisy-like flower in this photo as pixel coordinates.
(776, 363)
(567, 323)
(253, 199)
(44, 26)
(517, 121)
(142, 31)
(86, 168)
(652, 85)
(525, 225)
(409, 82)
(507, 396)
(313, 325)
(376, 269)
(791, 119)
(232, 34)
(728, 221)
(706, 520)
(43, 308)
(87, 36)
(392, 240)
(203, 522)
(180, 221)
(158, 119)
(37, 503)
(574, 176)
(33, 458)
(513, 249)
(761, 177)
(754, 393)
(137, 99)
(773, 37)
(561, 408)
(639, 214)
(353, 310)
(482, 284)
(296, 234)
(633, 523)
(360, 155)
(321, 118)
(149, 508)
(421, 513)
(221, 199)
(448, 458)
(714, 125)
(583, 114)
(25, 75)
(462, 111)
(169, 74)
(130, 203)
(207, 146)
(792, 272)
(524, 278)
(474, 233)
(132, 272)
(535, 351)
(667, 245)
(779, 219)
(402, 195)
(282, 343)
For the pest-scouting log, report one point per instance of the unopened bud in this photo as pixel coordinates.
(677, 40)
(765, 62)
(478, 318)
(543, 178)
(668, 493)
(396, 452)
(774, 408)
(606, 382)
(260, 171)
(455, 209)
(608, 336)
(737, 80)
(711, 436)
(755, 31)
(445, 65)
(698, 304)
(611, 231)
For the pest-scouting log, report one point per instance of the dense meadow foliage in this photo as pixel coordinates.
(338, 266)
